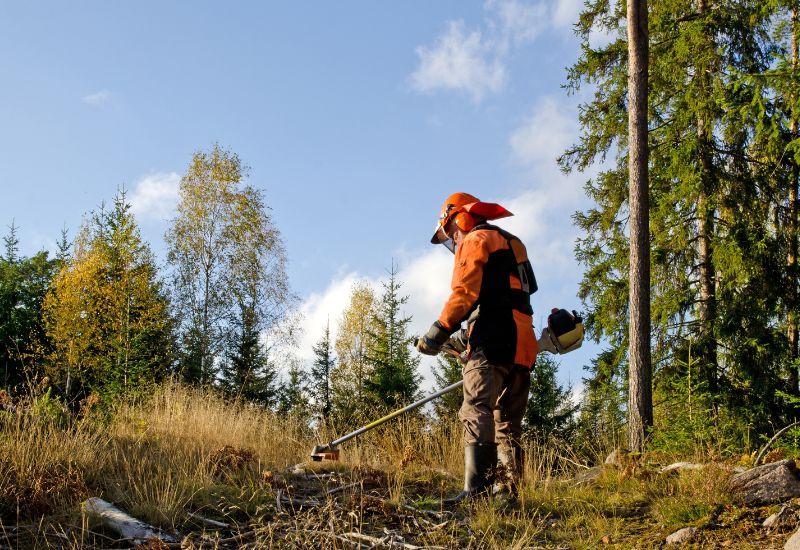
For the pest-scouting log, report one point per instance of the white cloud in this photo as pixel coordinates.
(519, 22)
(545, 134)
(102, 97)
(565, 13)
(460, 60)
(156, 195)
(541, 219)
(473, 60)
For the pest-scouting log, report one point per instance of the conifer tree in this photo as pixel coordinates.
(107, 315)
(24, 283)
(320, 383)
(248, 373)
(550, 409)
(712, 247)
(294, 398)
(393, 379)
(448, 370)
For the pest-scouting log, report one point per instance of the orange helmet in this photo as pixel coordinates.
(465, 210)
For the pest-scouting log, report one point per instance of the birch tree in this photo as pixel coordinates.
(227, 259)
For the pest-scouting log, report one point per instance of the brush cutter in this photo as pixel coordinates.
(331, 452)
(563, 334)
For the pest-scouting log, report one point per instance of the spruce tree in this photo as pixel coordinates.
(248, 373)
(293, 399)
(447, 370)
(24, 282)
(713, 251)
(393, 380)
(107, 314)
(550, 409)
(320, 383)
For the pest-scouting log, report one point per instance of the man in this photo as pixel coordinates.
(491, 287)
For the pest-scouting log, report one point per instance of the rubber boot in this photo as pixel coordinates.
(512, 461)
(480, 460)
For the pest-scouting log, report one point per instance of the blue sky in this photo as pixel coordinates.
(356, 119)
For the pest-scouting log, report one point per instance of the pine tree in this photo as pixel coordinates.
(320, 383)
(640, 392)
(393, 379)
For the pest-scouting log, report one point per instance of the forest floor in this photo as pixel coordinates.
(216, 475)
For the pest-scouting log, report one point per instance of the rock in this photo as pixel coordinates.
(794, 542)
(679, 466)
(682, 535)
(589, 475)
(768, 484)
(775, 520)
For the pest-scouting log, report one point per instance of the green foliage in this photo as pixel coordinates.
(24, 282)
(225, 252)
(550, 408)
(320, 379)
(718, 192)
(248, 373)
(294, 399)
(393, 380)
(687, 420)
(448, 370)
(107, 315)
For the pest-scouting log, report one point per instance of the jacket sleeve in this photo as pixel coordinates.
(471, 256)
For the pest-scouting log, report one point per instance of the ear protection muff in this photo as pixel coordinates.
(464, 221)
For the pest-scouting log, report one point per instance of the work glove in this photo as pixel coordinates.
(431, 343)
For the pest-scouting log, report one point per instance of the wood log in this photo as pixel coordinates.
(127, 526)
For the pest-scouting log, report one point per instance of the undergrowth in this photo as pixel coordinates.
(181, 453)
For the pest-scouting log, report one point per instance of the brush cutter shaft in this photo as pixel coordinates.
(398, 412)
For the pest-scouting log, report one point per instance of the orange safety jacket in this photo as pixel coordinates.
(492, 271)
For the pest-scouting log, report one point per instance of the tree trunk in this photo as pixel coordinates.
(640, 401)
(707, 348)
(791, 229)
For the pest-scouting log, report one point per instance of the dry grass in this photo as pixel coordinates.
(181, 450)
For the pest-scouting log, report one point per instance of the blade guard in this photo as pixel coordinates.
(324, 452)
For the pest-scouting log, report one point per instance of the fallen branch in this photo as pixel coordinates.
(300, 501)
(335, 536)
(207, 521)
(432, 513)
(388, 541)
(343, 488)
(129, 527)
(760, 456)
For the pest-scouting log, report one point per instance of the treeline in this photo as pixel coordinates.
(724, 154)
(100, 318)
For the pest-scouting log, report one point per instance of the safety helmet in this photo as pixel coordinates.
(465, 210)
